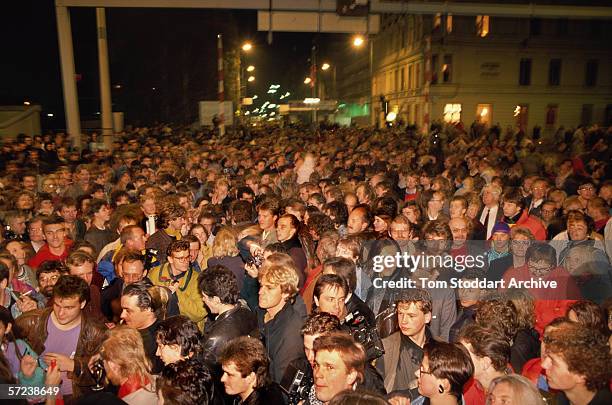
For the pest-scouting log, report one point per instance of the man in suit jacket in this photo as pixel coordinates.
(491, 211)
(267, 214)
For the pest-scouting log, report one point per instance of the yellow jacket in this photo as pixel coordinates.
(189, 298)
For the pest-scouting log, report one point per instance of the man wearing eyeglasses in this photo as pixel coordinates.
(552, 300)
(182, 279)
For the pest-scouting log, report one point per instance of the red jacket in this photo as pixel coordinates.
(45, 254)
(550, 303)
(532, 223)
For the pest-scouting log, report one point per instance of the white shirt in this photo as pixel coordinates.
(492, 212)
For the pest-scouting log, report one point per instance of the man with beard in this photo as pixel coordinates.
(47, 275)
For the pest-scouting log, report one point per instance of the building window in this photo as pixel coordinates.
(417, 75)
(482, 25)
(520, 114)
(434, 69)
(410, 76)
(590, 78)
(484, 113)
(525, 72)
(562, 27)
(437, 21)
(447, 68)
(535, 27)
(552, 111)
(586, 117)
(403, 79)
(396, 80)
(452, 113)
(449, 23)
(554, 72)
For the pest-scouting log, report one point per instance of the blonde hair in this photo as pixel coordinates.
(124, 347)
(225, 243)
(525, 392)
(284, 276)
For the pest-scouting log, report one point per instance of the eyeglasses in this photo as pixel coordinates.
(181, 258)
(588, 188)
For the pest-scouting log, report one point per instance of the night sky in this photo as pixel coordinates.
(173, 50)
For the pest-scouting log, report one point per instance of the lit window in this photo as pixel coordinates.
(447, 68)
(482, 25)
(437, 22)
(449, 23)
(452, 113)
(483, 113)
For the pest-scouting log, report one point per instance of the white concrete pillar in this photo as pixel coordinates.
(71, 100)
(106, 108)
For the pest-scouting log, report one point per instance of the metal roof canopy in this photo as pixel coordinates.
(286, 11)
(376, 6)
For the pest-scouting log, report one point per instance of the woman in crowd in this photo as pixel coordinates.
(225, 253)
(513, 389)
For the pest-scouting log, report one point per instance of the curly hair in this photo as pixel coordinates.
(219, 281)
(181, 331)
(585, 351)
(69, 286)
(177, 246)
(186, 382)
(524, 305)
(418, 296)
(500, 315)
(169, 213)
(318, 323)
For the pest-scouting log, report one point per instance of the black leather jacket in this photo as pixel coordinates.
(236, 322)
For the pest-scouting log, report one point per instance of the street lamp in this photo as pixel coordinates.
(358, 41)
(247, 46)
(250, 68)
(307, 80)
(325, 66)
(251, 79)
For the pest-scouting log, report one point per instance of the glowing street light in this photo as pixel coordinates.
(358, 41)
(325, 66)
(307, 80)
(250, 68)
(251, 78)
(26, 103)
(247, 46)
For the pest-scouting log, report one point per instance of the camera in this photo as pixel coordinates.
(296, 384)
(365, 335)
(255, 260)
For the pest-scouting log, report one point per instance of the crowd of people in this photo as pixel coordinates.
(289, 266)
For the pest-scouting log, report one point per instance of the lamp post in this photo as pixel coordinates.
(325, 67)
(245, 47)
(358, 41)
